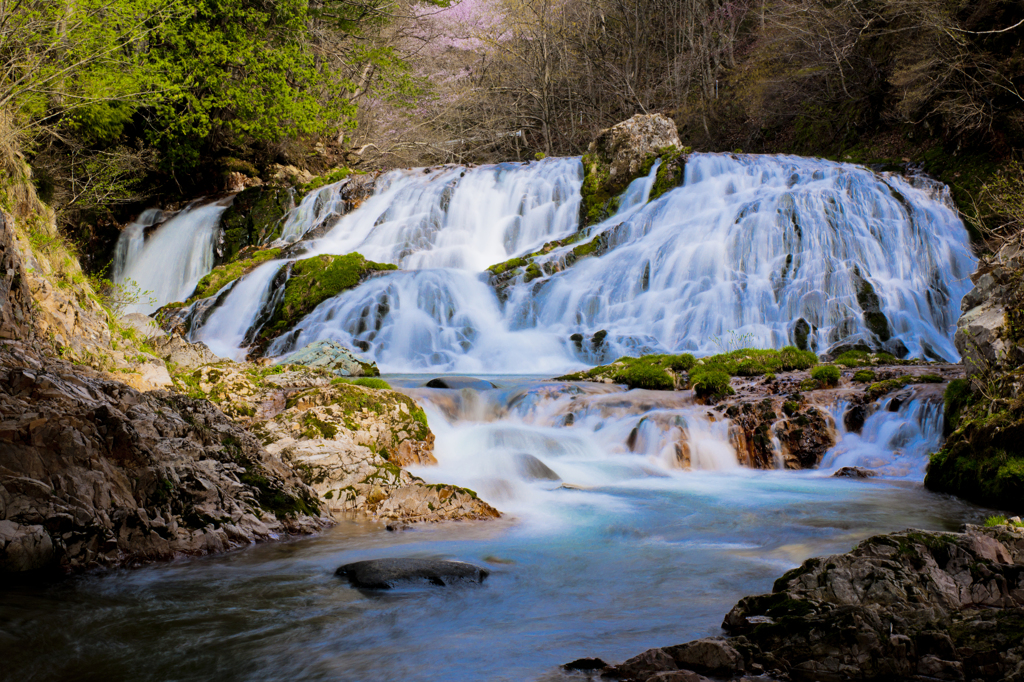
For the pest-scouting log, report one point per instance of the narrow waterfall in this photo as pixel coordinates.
(173, 259)
(130, 242)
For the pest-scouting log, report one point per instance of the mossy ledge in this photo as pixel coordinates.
(601, 189)
(311, 282)
(223, 275)
(709, 377)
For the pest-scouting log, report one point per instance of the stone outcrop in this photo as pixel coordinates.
(95, 474)
(333, 357)
(349, 442)
(906, 606)
(15, 295)
(990, 333)
(254, 217)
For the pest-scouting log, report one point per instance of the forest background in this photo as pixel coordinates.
(120, 104)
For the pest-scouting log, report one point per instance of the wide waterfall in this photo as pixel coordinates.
(771, 250)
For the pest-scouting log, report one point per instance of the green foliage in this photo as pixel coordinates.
(826, 375)
(366, 382)
(995, 521)
(240, 68)
(336, 175)
(864, 376)
(643, 375)
(650, 371)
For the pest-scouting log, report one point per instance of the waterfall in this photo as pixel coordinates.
(129, 243)
(169, 264)
(773, 250)
(895, 440)
(226, 327)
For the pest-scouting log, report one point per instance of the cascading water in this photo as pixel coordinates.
(173, 259)
(776, 250)
(131, 241)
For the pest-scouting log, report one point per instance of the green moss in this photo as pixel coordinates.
(672, 171)
(533, 271)
(877, 390)
(315, 280)
(710, 384)
(826, 375)
(223, 275)
(336, 175)
(642, 375)
(864, 376)
(860, 358)
(314, 427)
(511, 264)
(272, 498)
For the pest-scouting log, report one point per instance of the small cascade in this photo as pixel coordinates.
(452, 217)
(226, 329)
(896, 439)
(521, 447)
(130, 242)
(173, 259)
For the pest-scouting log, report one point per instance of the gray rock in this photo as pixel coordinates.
(530, 467)
(383, 574)
(459, 383)
(331, 356)
(627, 145)
(854, 472)
(174, 349)
(144, 325)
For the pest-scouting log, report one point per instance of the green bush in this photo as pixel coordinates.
(710, 383)
(861, 358)
(864, 376)
(826, 375)
(792, 358)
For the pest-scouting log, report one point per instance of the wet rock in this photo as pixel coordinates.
(854, 418)
(333, 357)
(586, 664)
(531, 468)
(625, 146)
(982, 336)
(854, 472)
(254, 217)
(459, 383)
(383, 574)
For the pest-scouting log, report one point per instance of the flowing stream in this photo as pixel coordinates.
(628, 522)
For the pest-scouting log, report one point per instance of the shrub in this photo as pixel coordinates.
(826, 375)
(793, 358)
(372, 382)
(711, 384)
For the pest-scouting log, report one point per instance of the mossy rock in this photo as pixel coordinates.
(601, 190)
(314, 280)
(253, 218)
(226, 273)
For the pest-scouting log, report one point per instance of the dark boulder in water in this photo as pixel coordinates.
(460, 383)
(854, 472)
(383, 574)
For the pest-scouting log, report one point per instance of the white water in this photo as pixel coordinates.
(173, 259)
(225, 334)
(744, 249)
(130, 242)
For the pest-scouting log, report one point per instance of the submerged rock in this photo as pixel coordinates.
(460, 383)
(384, 574)
(854, 472)
(333, 357)
(909, 605)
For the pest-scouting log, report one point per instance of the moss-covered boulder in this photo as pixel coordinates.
(311, 282)
(622, 153)
(253, 218)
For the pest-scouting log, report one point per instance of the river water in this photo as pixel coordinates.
(622, 551)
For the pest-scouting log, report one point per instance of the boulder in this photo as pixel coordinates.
(384, 574)
(983, 336)
(854, 472)
(626, 146)
(176, 350)
(334, 357)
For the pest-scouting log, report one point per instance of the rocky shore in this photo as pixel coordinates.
(911, 605)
